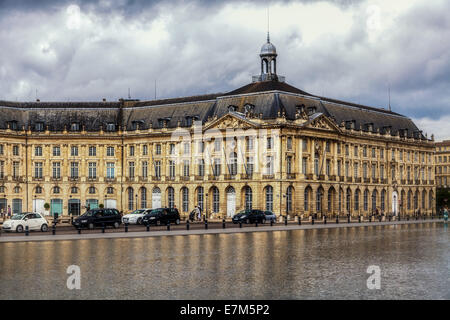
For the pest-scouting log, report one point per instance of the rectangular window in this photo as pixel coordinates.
(15, 150)
(269, 165)
(56, 151)
(131, 169)
(74, 151)
(374, 154)
(289, 165)
(92, 166)
(56, 170)
(110, 151)
(289, 143)
(347, 151)
(382, 172)
(131, 151)
(217, 144)
(145, 150)
(338, 148)
(186, 148)
(171, 168)
(1, 149)
(250, 165)
(38, 170)
(356, 166)
(38, 151)
(144, 169)
(347, 169)
(356, 151)
(16, 169)
(158, 148)
(365, 170)
(186, 168)
(305, 165)
(158, 169)
(201, 167)
(339, 169)
(250, 143)
(328, 167)
(171, 149)
(365, 151)
(217, 167)
(304, 144)
(92, 151)
(74, 170)
(269, 143)
(328, 146)
(374, 171)
(2, 169)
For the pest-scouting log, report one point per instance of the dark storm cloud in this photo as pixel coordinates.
(330, 48)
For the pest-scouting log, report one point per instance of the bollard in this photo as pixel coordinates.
(168, 225)
(285, 220)
(240, 224)
(71, 220)
(187, 225)
(54, 229)
(337, 219)
(407, 217)
(370, 218)
(398, 217)
(271, 222)
(103, 228)
(206, 224)
(256, 223)
(390, 217)
(79, 230)
(324, 219)
(223, 223)
(148, 226)
(359, 219)
(312, 220)
(27, 232)
(299, 220)
(380, 218)
(126, 226)
(348, 218)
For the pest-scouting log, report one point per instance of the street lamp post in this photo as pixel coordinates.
(206, 208)
(136, 200)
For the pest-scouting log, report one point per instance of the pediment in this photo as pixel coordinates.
(232, 121)
(321, 122)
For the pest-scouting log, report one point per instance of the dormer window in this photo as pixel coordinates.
(137, 124)
(300, 108)
(39, 126)
(188, 121)
(13, 125)
(75, 126)
(249, 108)
(369, 127)
(163, 122)
(351, 124)
(232, 108)
(110, 127)
(311, 110)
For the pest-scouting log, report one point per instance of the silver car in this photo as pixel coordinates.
(136, 216)
(270, 216)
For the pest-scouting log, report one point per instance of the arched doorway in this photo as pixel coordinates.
(231, 201)
(156, 198)
(395, 203)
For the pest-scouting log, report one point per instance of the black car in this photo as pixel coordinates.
(250, 216)
(97, 218)
(162, 216)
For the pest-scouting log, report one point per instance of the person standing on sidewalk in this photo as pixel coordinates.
(199, 213)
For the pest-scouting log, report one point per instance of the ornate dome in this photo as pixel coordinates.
(268, 48)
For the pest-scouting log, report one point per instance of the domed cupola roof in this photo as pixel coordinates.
(268, 48)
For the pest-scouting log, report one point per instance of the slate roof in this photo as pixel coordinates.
(266, 98)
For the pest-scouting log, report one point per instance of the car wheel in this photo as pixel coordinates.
(44, 228)
(91, 226)
(19, 229)
(116, 225)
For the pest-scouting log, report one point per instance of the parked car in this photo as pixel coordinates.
(249, 216)
(97, 218)
(18, 222)
(135, 217)
(270, 216)
(162, 216)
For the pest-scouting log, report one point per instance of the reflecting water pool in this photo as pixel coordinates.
(303, 264)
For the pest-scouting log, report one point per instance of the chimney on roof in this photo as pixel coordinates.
(38, 100)
(104, 100)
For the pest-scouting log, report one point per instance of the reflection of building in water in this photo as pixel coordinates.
(316, 154)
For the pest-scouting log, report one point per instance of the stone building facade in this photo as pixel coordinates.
(266, 145)
(443, 164)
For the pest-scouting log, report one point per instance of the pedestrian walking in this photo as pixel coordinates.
(9, 211)
(2, 213)
(199, 213)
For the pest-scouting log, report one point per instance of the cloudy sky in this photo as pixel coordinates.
(345, 49)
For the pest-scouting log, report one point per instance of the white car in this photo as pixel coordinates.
(135, 217)
(33, 220)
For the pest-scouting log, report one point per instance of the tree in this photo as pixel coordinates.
(101, 205)
(47, 206)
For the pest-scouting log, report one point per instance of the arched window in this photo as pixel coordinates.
(38, 189)
(409, 199)
(357, 200)
(424, 196)
(366, 200)
(383, 200)
(289, 199)
(216, 200)
(416, 200)
(185, 197)
(374, 201)
(130, 199)
(248, 198)
(171, 197)
(269, 198)
(319, 195)
(143, 197)
(430, 200)
(330, 199)
(341, 195)
(349, 197)
(306, 200)
(200, 197)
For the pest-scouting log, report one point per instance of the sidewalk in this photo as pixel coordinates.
(228, 230)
